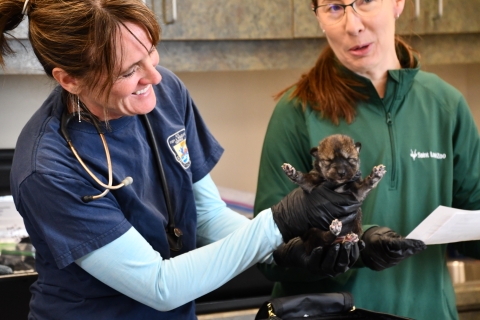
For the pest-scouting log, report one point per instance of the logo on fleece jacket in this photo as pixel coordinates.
(423, 155)
(178, 146)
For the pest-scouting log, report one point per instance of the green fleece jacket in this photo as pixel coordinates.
(423, 132)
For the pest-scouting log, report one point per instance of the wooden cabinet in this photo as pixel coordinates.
(236, 20)
(420, 17)
(425, 17)
(413, 19)
(224, 19)
(305, 24)
(288, 19)
(457, 16)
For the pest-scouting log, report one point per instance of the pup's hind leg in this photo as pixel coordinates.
(307, 181)
(314, 237)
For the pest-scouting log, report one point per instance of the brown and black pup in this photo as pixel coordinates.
(337, 162)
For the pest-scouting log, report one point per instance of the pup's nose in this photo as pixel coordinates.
(341, 173)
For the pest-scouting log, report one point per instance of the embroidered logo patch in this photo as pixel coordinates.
(178, 145)
(423, 155)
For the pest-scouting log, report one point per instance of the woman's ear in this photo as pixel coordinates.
(68, 82)
(398, 6)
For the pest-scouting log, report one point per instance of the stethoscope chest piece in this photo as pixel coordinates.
(175, 239)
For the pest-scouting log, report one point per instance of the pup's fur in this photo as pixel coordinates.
(336, 162)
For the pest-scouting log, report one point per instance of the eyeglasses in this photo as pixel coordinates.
(333, 12)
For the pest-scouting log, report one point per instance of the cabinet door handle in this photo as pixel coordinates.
(417, 9)
(440, 8)
(174, 12)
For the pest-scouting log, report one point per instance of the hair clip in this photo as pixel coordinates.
(24, 10)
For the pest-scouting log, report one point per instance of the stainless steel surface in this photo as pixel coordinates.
(417, 9)
(457, 271)
(463, 271)
(465, 276)
(440, 9)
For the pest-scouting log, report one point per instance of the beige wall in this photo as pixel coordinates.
(237, 106)
(472, 94)
(465, 78)
(20, 97)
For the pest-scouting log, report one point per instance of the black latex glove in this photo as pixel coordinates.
(329, 261)
(299, 211)
(384, 248)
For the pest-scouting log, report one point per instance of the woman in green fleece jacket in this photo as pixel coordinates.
(367, 84)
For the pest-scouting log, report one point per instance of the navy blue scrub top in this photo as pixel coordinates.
(48, 182)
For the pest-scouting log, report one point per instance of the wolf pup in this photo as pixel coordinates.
(336, 162)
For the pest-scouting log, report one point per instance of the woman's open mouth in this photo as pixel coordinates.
(142, 91)
(361, 49)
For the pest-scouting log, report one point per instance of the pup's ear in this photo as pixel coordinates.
(314, 152)
(358, 145)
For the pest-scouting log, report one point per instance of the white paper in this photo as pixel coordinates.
(12, 228)
(447, 225)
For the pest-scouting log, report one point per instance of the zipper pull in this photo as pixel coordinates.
(389, 119)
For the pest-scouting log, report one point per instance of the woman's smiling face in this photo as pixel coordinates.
(132, 93)
(365, 45)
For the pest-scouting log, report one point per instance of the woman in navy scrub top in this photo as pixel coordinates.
(110, 258)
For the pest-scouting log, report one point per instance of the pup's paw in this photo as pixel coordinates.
(289, 171)
(377, 173)
(351, 237)
(336, 227)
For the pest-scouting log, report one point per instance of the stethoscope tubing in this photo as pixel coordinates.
(66, 117)
(153, 142)
(174, 234)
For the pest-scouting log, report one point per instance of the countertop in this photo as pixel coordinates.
(468, 295)
(248, 314)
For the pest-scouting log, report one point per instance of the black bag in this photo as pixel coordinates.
(318, 306)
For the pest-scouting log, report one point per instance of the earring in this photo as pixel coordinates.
(78, 109)
(323, 30)
(398, 16)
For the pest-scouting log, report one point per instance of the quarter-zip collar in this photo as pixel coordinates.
(399, 82)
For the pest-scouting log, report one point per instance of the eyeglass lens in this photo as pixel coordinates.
(332, 13)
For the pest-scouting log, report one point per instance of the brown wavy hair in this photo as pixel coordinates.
(78, 36)
(333, 93)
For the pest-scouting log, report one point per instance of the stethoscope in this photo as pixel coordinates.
(174, 235)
